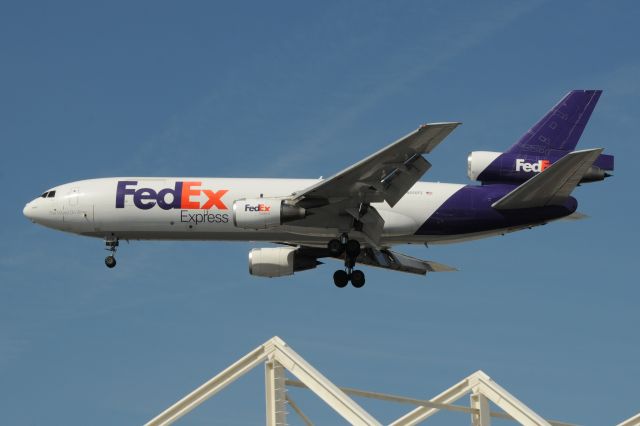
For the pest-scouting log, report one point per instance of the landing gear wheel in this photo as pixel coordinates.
(112, 245)
(336, 248)
(353, 248)
(110, 261)
(357, 278)
(340, 278)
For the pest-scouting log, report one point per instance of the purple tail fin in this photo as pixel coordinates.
(561, 127)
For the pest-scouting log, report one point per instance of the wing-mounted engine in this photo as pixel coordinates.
(279, 261)
(262, 213)
(494, 167)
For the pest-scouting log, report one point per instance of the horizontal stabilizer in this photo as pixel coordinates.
(553, 185)
(576, 216)
(400, 262)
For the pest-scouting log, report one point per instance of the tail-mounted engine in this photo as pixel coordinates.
(279, 261)
(479, 161)
(262, 213)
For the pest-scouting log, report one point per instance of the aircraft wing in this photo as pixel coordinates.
(384, 176)
(386, 259)
(553, 185)
(400, 262)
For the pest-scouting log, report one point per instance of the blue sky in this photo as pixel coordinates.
(301, 89)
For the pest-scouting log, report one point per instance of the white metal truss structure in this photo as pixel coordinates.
(278, 357)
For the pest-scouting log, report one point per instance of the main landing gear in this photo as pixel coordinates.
(351, 250)
(112, 245)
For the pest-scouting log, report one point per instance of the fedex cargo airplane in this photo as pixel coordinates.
(357, 215)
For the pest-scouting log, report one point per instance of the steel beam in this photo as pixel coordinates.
(278, 356)
(276, 393)
(298, 411)
(633, 421)
(213, 386)
(321, 386)
(481, 383)
(420, 414)
(483, 416)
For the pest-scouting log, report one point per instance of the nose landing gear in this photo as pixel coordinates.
(351, 249)
(110, 261)
(112, 245)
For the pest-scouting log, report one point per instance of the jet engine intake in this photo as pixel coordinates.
(278, 262)
(478, 161)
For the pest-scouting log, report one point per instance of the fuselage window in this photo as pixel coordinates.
(51, 194)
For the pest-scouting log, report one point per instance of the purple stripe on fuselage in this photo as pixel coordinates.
(469, 210)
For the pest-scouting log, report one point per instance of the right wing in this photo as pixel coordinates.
(343, 201)
(552, 186)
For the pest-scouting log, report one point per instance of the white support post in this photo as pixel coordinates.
(276, 393)
(483, 416)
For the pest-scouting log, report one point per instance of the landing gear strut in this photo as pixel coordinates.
(336, 248)
(351, 249)
(112, 246)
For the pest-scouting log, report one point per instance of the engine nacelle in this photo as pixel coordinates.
(478, 161)
(262, 213)
(278, 262)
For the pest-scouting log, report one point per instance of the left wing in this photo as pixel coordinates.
(385, 259)
(400, 262)
(384, 176)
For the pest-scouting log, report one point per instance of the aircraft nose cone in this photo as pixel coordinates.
(29, 212)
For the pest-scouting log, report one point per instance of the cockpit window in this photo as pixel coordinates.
(44, 195)
(51, 194)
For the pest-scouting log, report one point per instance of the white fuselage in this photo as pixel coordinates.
(150, 210)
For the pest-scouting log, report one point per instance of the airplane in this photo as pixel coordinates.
(355, 216)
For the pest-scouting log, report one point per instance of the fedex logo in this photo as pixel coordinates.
(259, 208)
(538, 166)
(184, 195)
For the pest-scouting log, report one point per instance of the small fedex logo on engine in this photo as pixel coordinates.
(184, 195)
(258, 208)
(537, 167)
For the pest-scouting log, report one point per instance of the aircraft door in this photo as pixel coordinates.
(77, 214)
(73, 198)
